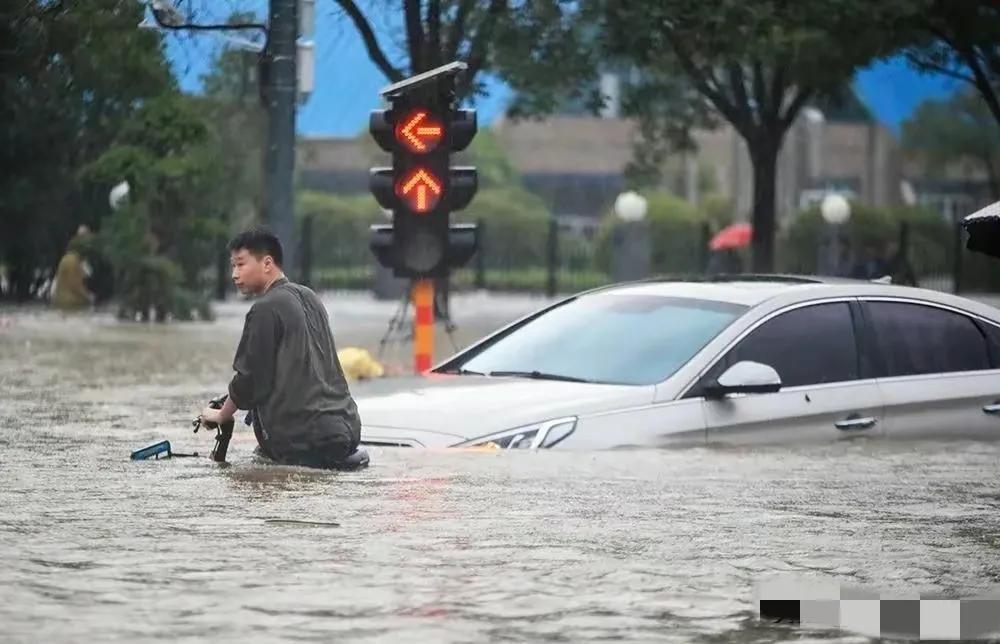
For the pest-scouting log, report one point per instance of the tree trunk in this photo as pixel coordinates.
(981, 81)
(764, 156)
(992, 177)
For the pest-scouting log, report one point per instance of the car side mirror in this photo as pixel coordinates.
(745, 377)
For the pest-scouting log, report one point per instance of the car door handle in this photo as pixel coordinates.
(992, 409)
(856, 423)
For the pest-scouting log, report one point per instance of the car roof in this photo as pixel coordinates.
(747, 290)
(752, 290)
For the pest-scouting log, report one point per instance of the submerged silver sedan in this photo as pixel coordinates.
(755, 360)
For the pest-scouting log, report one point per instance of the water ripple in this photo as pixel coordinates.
(431, 545)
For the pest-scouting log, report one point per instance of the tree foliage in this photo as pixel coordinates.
(71, 73)
(170, 157)
(238, 120)
(515, 226)
(959, 128)
(753, 64)
(340, 227)
(960, 39)
(930, 238)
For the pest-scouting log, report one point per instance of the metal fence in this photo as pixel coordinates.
(555, 259)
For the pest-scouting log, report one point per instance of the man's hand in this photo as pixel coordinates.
(219, 416)
(209, 415)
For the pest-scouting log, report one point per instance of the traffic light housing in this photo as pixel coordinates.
(421, 129)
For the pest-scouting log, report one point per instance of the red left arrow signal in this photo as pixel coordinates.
(420, 189)
(419, 132)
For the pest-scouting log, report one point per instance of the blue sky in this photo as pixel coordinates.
(347, 82)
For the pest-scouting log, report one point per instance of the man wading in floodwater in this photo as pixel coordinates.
(287, 371)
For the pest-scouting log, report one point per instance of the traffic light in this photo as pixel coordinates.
(422, 128)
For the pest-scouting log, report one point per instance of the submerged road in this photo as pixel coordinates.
(428, 545)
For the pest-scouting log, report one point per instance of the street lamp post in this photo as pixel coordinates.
(287, 77)
(836, 210)
(630, 248)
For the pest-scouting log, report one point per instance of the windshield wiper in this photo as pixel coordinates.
(463, 372)
(539, 375)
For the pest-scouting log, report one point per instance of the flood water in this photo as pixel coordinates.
(429, 545)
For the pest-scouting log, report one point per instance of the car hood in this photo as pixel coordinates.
(447, 409)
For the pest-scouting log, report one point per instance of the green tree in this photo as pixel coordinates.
(515, 226)
(958, 128)
(666, 107)
(70, 74)
(755, 64)
(234, 75)
(169, 155)
(960, 39)
(232, 99)
(341, 225)
(492, 163)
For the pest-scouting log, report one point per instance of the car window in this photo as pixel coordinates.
(914, 339)
(806, 346)
(992, 332)
(636, 339)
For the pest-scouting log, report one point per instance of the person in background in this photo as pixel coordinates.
(899, 266)
(69, 288)
(725, 262)
(873, 264)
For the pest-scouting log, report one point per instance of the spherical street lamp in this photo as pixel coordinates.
(835, 209)
(630, 242)
(631, 206)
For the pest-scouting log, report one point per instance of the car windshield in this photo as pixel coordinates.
(609, 338)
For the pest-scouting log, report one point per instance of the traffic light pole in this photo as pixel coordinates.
(279, 98)
(423, 325)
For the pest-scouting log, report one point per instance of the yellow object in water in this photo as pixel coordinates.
(70, 291)
(358, 364)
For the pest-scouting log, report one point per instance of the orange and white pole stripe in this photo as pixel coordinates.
(423, 325)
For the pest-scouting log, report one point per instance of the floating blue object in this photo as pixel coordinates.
(153, 451)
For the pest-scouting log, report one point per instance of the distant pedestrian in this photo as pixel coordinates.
(872, 265)
(725, 262)
(899, 266)
(69, 287)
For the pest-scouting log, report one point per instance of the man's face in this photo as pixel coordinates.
(251, 275)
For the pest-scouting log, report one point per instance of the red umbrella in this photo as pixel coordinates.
(732, 236)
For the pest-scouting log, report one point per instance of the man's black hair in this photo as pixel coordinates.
(260, 242)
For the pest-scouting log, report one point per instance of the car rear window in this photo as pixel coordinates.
(914, 339)
(992, 332)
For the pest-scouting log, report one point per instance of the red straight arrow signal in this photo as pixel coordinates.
(419, 132)
(420, 189)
